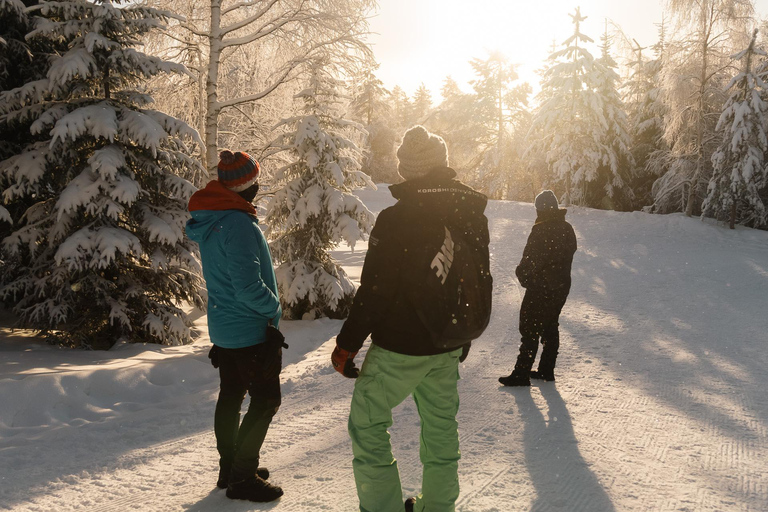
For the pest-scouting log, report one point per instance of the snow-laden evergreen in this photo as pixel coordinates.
(646, 111)
(369, 106)
(100, 253)
(739, 166)
(611, 189)
(570, 125)
(314, 210)
(696, 71)
(497, 113)
(369, 98)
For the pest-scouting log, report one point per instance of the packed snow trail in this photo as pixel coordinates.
(659, 403)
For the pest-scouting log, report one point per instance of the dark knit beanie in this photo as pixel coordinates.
(421, 152)
(237, 171)
(546, 200)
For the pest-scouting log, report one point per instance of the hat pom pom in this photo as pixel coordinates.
(416, 137)
(227, 157)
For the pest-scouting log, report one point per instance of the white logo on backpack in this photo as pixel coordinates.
(444, 258)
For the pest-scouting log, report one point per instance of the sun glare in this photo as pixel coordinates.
(427, 40)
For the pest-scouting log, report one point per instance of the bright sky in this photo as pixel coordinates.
(426, 40)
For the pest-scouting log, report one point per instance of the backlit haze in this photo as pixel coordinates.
(426, 40)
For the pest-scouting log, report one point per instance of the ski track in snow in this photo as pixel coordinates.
(659, 403)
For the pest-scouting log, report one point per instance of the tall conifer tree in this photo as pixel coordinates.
(101, 251)
(570, 125)
(739, 165)
(611, 188)
(314, 209)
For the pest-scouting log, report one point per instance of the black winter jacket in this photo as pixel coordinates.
(382, 308)
(548, 255)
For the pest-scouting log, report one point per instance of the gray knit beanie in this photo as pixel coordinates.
(546, 200)
(421, 152)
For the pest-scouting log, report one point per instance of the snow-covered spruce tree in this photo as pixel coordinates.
(314, 210)
(401, 109)
(646, 112)
(369, 107)
(569, 126)
(102, 249)
(422, 105)
(369, 99)
(739, 166)
(498, 111)
(611, 191)
(695, 74)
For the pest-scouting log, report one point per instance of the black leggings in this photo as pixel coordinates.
(242, 370)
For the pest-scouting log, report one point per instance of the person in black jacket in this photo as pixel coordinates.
(545, 273)
(403, 358)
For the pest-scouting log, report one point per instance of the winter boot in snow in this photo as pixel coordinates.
(223, 481)
(516, 378)
(410, 503)
(545, 375)
(253, 489)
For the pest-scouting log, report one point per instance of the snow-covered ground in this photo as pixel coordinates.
(660, 402)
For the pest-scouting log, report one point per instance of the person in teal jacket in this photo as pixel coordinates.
(242, 305)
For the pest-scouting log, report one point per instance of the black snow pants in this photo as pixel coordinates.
(243, 370)
(539, 315)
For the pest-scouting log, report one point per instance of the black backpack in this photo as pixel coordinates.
(453, 289)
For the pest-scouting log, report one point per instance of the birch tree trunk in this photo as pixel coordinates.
(692, 190)
(211, 88)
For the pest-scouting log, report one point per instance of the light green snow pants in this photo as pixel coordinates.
(385, 380)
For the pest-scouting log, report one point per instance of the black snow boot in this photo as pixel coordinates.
(223, 481)
(253, 489)
(409, 504)
(516, 378)
(545, 375)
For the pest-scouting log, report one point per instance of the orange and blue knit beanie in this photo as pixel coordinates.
(237, 171)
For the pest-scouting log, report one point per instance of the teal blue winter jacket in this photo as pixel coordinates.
(237, 266)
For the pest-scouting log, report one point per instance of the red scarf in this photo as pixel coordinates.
(216, 196)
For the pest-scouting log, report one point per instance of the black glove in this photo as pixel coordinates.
(465, 352)
(213, 355)
(270, 353)
(275, 337)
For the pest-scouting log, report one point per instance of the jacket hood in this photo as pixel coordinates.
(209, 205)
(439, 194)
(543, 216)
(440, 190)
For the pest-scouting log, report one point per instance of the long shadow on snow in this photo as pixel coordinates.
(217, 499)
(669, 345)
(559, 473)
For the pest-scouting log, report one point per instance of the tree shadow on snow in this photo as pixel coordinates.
(680, 328)
(173, 408)
(697, 353)
(559, 473)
